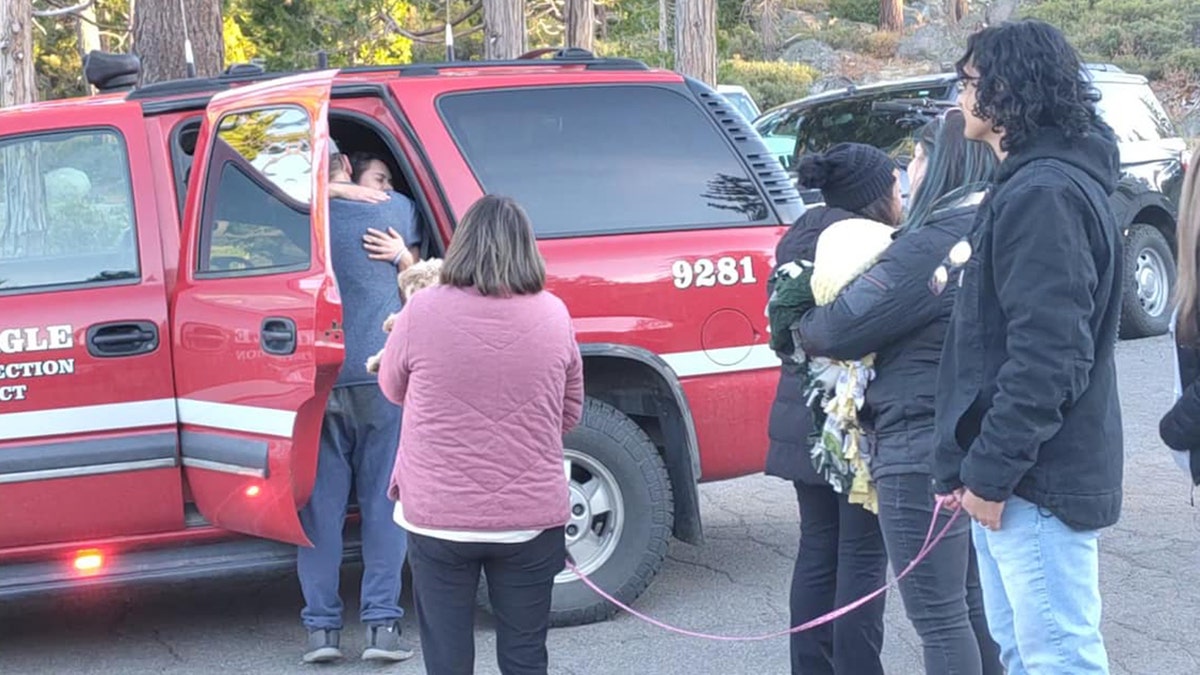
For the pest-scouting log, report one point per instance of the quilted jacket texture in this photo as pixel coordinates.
(489, 386)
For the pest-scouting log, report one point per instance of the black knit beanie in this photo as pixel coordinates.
(850, 176)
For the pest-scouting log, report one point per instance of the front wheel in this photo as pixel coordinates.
(621, 515)
(1150, 279)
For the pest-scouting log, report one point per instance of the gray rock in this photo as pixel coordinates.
(933, 43)
(66, 184)
(796, 21)
(830, 83)
(999, 11)
(814, 53)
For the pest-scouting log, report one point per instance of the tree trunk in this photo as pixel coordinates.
(158, 38)
(89, 38)
(696, 39)
(664, 25)
(503, 29)
(581, 23)
(956, 10)
(891, 15)
(18, 83)
(768, 28)
(24, 219)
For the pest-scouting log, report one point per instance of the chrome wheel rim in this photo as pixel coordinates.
(597, 515)
(1151, 277)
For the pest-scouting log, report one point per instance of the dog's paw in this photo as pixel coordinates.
(373, 364)
(389, 322)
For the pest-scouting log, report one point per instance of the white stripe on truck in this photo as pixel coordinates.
(280, 423)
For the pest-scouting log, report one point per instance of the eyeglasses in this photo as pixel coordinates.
(953, 263)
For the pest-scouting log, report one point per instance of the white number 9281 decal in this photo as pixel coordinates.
(704, 273)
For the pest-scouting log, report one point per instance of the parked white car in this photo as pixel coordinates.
(741, 100)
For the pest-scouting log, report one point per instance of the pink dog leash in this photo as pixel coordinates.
(930, 542)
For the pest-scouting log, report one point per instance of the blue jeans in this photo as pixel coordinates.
(359, 436)
(1041, 592)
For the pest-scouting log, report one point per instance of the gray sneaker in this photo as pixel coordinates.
(323, 646)
(384, 644)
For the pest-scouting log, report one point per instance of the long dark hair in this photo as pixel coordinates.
(1030, 78)
(955, 167)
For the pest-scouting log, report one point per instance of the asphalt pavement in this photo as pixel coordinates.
(735, 584)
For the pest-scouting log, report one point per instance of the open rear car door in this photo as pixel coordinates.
(257, 317)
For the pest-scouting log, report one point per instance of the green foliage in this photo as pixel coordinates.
(1184, 60)
(429, 16)
(642, 50)
(864, 11)
(288, 35)
(741, 41)
(56, 50)
(769, 82)
(1140, 35)
(880, 44)
(729, 14)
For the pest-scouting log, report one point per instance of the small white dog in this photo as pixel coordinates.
(417, 276)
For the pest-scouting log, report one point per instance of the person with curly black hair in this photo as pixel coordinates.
(1028, 422)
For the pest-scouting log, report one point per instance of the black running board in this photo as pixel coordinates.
(244, 555)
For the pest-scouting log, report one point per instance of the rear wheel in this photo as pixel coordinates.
(621, 518)
(1150, 279)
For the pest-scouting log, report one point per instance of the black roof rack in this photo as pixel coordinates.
(570, 56)
(245, 73)
(235, 74)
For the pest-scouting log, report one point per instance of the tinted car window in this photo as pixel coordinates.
(603, 159)
(859, 120)
(779, 131)
(66, 211)
(1134, 113)
(260, 175)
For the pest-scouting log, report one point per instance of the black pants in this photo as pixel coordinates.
(520, 577)
(941, 595)
(841, 559)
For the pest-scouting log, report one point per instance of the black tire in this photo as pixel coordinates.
(1146, 312)
(609, 438)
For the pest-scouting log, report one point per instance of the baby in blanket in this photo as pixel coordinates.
(836, 388)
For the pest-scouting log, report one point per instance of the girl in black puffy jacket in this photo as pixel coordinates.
(841, 555)
(1180, 427)
(893, 311)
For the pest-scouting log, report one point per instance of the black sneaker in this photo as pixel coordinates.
(323, 646)
(384, 644)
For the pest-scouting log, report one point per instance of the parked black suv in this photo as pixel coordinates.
(1153, 158)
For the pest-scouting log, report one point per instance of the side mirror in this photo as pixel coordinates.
(111, 72)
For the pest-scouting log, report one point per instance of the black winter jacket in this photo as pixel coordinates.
(1180, 427)
(890, 311)
(1027, 391)
(791, 421)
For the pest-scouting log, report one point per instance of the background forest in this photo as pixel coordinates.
(779, 49)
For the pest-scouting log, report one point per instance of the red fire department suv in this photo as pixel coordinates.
(170, 328)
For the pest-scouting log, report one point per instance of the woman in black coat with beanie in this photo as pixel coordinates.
(841, 556)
